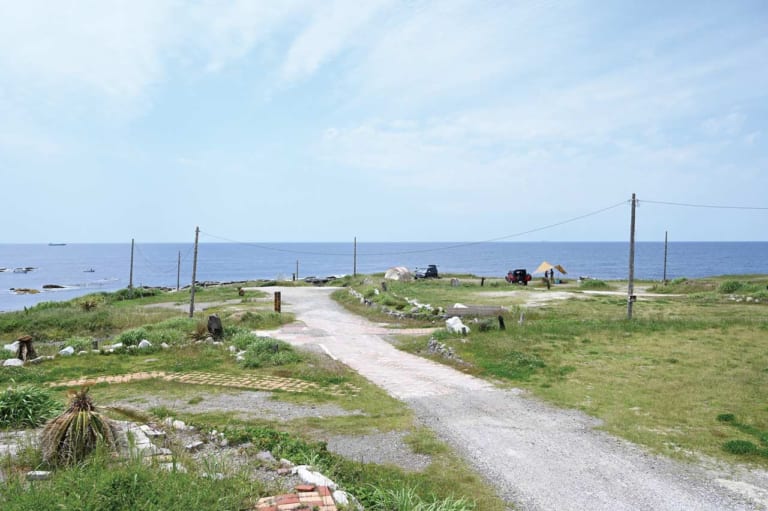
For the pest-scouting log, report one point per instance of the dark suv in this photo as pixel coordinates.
(519, 276)
(429, 273)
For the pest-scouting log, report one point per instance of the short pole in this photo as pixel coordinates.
(278, 301)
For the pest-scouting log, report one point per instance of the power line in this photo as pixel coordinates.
(709, 206)
(436, 249)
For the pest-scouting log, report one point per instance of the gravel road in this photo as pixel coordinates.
(537, 456)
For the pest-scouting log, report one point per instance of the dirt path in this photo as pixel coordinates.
(537, 456)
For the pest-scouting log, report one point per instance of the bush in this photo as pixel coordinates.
(266, 351)
(730, 286)
(27, 406)
(726, 417)
(133, 294)
(740, 447)
(132, 337)
(80, 343)
(593, 284)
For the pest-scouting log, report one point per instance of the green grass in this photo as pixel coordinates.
(657, 380)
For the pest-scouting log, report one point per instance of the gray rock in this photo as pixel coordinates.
(38, 475)
(145, 344)
(69, 350)
(13, 362)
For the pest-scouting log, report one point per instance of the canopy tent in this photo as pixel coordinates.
(545, 267)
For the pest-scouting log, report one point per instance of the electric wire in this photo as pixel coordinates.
(709, 206)
(435, 249)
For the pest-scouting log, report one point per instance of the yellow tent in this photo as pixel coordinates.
(545, 267)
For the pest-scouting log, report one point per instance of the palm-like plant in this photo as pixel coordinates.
(74, 434)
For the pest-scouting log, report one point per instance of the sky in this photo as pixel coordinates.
(384, 120)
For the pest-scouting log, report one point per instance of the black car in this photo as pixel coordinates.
(429, 273)
(519, 276)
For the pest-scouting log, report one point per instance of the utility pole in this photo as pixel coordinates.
(665, 258)
(631, 286)
(297, 269)
(354, 260)
(194, 276)
(130, 278)
(178, 272)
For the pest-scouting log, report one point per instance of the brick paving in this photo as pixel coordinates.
(306, 497)
(220, 380)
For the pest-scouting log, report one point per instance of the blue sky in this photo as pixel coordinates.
(385, 120)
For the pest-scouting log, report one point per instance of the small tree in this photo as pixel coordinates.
(74, 434)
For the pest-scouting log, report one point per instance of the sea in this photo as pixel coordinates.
(86, 268)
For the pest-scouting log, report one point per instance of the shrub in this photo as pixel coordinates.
(242, 339)
(80, 343)
(133, 293)
(132, 337)
(593, 284)
(26, 406)
(73, 435)
(266, 351)
(730, 286)
(726, 417)
(740, 447)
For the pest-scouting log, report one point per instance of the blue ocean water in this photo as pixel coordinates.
(155, 264)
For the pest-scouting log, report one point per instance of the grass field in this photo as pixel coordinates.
(661, 379)
(104, 483)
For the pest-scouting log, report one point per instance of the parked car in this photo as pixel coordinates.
(519, 276)
(430, 272)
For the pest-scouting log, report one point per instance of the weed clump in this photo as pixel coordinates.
(26, 406)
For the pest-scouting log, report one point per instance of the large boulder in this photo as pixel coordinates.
(398, 273)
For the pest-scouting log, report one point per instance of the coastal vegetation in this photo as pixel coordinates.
(107, 334)
(694, 349)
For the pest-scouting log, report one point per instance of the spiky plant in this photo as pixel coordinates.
(74, 434)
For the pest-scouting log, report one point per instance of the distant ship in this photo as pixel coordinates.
(56, 244)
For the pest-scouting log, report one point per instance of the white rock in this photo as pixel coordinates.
(340, 497)
(115, 346)
(164, 346)
(69, 350)
(180, 425)
(310, 476)
(145, 344)
(13, 346)
(455, 326)
(194, 446)
(173, 467)
(459, 306)
(13, 362)
(38, 475)
(82, 353)
(232, 349)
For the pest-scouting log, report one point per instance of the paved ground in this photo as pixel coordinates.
(537, 456)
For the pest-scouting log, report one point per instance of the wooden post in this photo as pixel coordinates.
(354, 259)
(178, 272)
(664, 280)
(194, 276)
(278, 301)
(631, 283)
(130, 278)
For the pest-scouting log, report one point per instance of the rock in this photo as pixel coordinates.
(312, 477)
(41, 359)
(52, 286)
(69, 350)
(214, 326)
(194, 446)
(232, 349)
(38, 475)
(12, 347)
(145, 344)
(164, 346)
(455, 326)
(179, 425)
(266, 456)
(13, 362)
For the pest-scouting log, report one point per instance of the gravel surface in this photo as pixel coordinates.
(538, 457)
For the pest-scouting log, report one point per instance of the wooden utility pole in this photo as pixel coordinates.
(354, 259)
(130, 278)
(194, 276)
(297, 269)
(178, 272)
(631, 286)
(665, 258)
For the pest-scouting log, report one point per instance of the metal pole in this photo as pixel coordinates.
(665, 258)
(178, 272)
(194, 276)
(130, 278)
(631, 285)
(354, 264)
